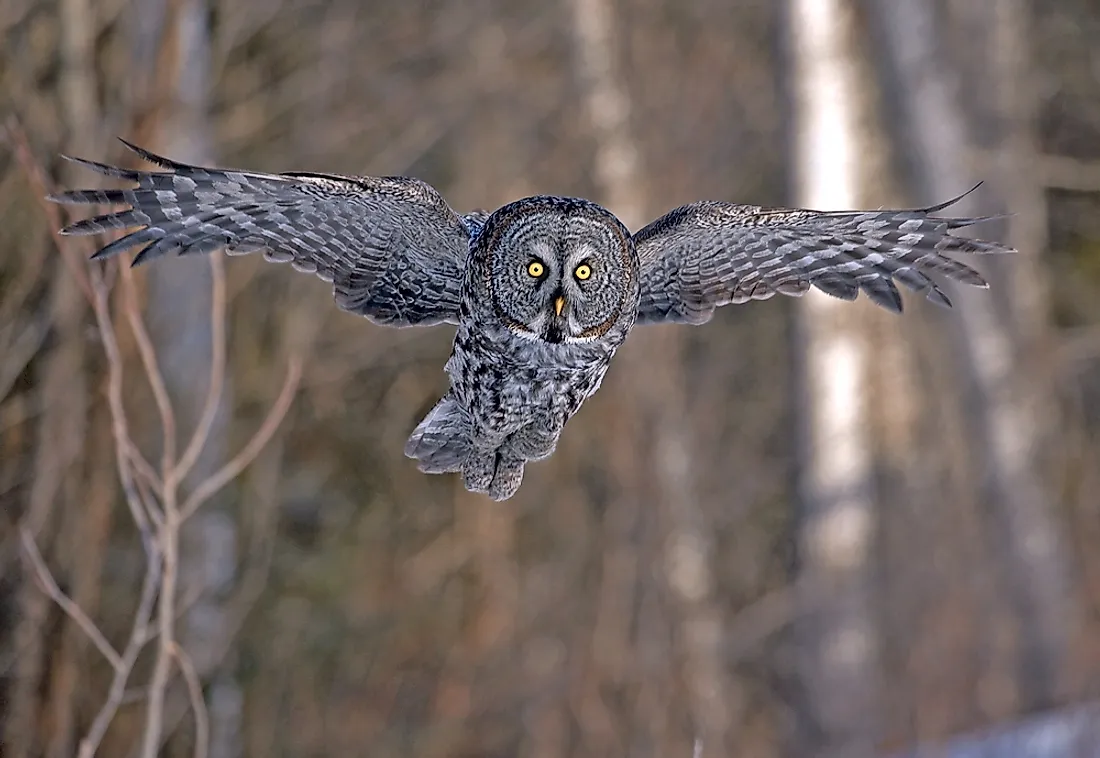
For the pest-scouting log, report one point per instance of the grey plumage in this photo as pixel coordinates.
(543, 290)
(391, 246)
(512, 380)
(709, 254)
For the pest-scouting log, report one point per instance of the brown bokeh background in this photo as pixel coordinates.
(335, 602)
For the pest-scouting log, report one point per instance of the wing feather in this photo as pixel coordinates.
(702, 256)
(393, 249)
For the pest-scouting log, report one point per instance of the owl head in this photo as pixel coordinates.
(560, 270)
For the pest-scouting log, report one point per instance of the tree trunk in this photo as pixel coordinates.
(836, 633)
(56, 494)
(650, 446)
(1003, 399)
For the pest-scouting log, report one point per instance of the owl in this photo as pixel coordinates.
(542, 291)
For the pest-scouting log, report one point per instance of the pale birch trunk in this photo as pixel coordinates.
(836, 633)
(648, 376)
(1003, 401)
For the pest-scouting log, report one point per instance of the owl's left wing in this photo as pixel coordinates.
(392, 248)
(709, 254)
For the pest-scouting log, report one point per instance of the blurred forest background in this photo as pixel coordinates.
(679, 574)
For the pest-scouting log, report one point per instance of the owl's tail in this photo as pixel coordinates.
(443, 443)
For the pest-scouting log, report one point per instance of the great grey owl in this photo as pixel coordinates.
(543, 290)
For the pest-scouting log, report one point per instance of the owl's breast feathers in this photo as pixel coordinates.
(508, 382)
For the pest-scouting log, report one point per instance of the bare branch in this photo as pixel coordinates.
(97, 292)
(49, 585)
(120, 424)
(148, 500)
(145, 471)
(217, 371)
(209, 487)
(152, 372)
(168, 540)
(198, 705)
(117, 695)
(41, 186)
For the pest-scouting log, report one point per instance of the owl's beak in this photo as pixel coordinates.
(559, 303)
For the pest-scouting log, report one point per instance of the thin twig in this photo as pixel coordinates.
(143, 486)
(119, 423)
(97, 292)
(74, 611)
(217, 371)
(139, 635)
(149, 501)
(252, 579)
(168, 540)
(153, 373)
(183, 607)
(41, 185)
(210, 486)
(145, 471)
(198, 705)
(167, 534)
(135, 695)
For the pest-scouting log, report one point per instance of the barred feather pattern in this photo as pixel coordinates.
(535, 335)
(393, 249)
(701, 256)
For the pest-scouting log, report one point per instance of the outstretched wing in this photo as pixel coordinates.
(708, 254)
(393, 249)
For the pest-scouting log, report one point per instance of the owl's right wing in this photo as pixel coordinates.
(392, 248)
(702, 256)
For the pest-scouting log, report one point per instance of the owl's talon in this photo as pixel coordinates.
(477, 472)
(506, 480)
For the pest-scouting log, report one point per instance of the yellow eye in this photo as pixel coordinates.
(535, 269)
(582, 271)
